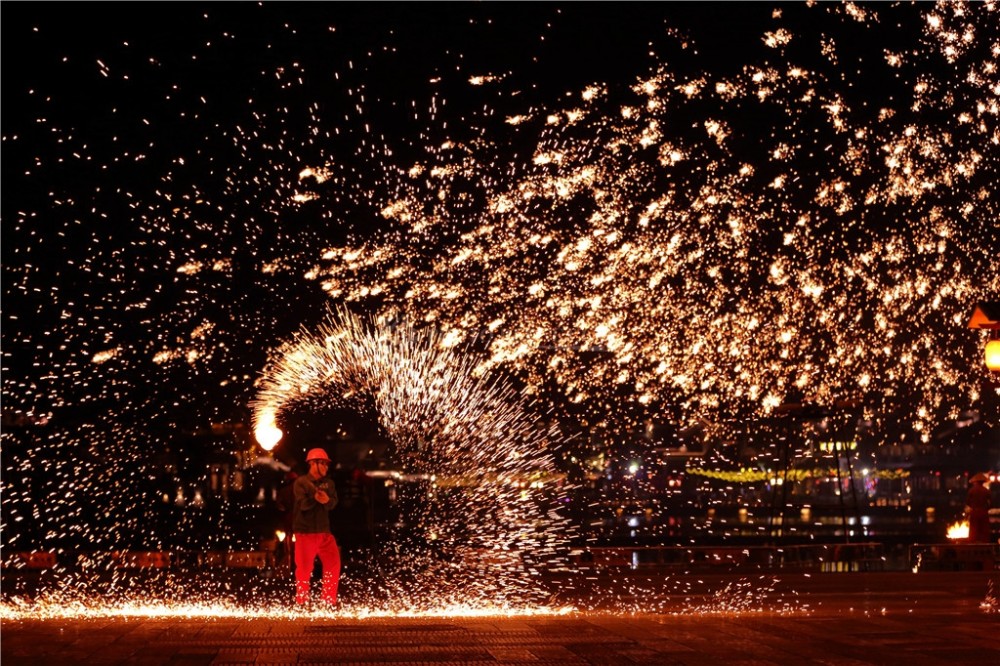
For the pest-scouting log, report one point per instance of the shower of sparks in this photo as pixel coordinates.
(991, 604)
(746, 596)
(485, 456)
(75, 608)
(664, 596)
(791, 240)
(689, 243)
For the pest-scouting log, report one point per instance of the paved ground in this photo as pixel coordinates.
(856, 618)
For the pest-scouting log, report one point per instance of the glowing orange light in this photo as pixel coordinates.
(993, 355)
(959, 530)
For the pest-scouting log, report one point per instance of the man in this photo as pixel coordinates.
(977, 506)
(315, 495)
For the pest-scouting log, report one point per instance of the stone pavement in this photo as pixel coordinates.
(856, 618)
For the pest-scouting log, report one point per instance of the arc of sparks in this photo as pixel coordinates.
(430, 398)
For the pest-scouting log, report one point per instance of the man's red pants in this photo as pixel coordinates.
(307, 548)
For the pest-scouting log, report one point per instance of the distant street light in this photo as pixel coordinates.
(993, 353)
(987, 315)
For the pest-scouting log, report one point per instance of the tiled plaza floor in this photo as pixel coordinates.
(860, 618)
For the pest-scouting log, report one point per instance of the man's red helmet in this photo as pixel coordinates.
(317, 454)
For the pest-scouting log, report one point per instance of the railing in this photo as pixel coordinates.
(32, 561)
(955, 557)
(831, 558)
(825, 557)
(138, 560)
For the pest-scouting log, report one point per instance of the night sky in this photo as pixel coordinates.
(667, 211)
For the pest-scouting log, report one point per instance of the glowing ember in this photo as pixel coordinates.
(267, 434)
